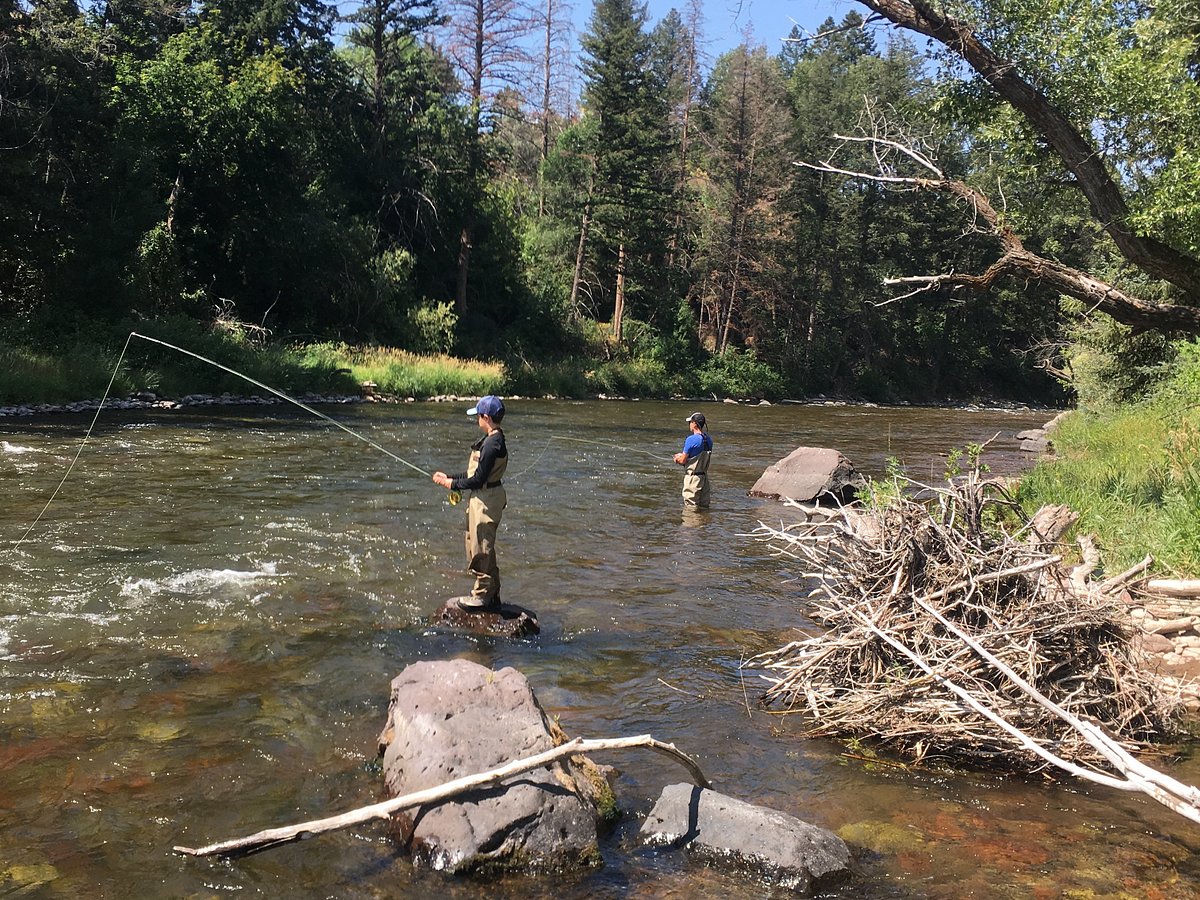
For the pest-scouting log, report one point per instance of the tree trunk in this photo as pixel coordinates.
(545, 110)
(619, 308)
(578, 276)
(173, 202)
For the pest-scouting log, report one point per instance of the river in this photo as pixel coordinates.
(197, 639)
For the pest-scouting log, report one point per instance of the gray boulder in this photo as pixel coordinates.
(810, 474)
(452, 718)
(731, 834)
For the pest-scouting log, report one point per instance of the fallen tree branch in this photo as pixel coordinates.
(1176, 796)
(1172, 587)
(273, 837)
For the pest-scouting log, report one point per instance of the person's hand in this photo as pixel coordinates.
(441, 479)
(680, 457)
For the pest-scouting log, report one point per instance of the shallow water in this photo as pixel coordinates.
(196, 643)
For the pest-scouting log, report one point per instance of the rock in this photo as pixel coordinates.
(1055, 422)
(452, 718)
(1156, 643)
(731, 834)
(809, 474)
(1035, 445)
(883, 837)
(1031, 434)
(510, 621)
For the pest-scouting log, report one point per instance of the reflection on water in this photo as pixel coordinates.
(197, 641)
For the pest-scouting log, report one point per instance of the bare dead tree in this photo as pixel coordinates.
(1082, 160)
(485, 42)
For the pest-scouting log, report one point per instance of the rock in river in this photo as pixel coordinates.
(732, 834)
(809, 474)
(452, 718)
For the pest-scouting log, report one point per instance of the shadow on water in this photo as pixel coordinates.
(197, 643)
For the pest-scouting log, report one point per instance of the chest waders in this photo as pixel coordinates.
(484, 510)
(695, 480)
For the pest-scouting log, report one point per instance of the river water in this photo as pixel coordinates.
(196, 643)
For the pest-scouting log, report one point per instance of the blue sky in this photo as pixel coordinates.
(724, 20)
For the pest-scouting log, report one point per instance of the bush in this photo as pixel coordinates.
(430, 327)
(739, 374)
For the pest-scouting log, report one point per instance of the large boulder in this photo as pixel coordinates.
(731, 834)
(808, 475)
(452, 718)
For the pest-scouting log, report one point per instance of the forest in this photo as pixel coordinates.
(980, 199)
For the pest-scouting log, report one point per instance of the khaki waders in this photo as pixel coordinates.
(484, 510)
(695, 480)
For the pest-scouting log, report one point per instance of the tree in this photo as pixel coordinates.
(747, 132)
(631, 200)
(1096, 126)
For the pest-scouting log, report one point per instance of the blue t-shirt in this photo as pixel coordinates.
(696, 444)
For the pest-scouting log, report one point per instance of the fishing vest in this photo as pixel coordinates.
(497, 473)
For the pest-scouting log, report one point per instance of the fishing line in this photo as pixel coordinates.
(562, 437)
(454, 495)
(86, 435)
(292, 400)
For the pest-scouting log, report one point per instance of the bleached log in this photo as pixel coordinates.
(1175, 795)
(1174, 626)
(1173, 587)
(273, 837)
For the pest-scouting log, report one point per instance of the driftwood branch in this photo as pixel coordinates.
(1175, 795)
(273, 837)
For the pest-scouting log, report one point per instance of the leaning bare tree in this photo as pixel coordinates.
(1085, 163)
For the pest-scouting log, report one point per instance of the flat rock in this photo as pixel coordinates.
(1035, 445)
(731, 834)
(452, 718)
(810, 474)
(510, 621)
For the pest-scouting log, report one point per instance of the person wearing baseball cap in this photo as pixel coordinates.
(695, 455)
(485, 469)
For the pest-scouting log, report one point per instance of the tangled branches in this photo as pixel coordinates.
(945, 636)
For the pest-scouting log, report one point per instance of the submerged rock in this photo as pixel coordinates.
(732, 834)
(453, 718)
(510, 621)
(810, 474)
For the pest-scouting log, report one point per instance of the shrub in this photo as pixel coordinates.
(738, 373)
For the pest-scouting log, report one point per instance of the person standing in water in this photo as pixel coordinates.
(489, 459)
(695, 455)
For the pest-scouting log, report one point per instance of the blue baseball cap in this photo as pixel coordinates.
(488, 406)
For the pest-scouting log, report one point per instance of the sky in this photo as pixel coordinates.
(725, 21)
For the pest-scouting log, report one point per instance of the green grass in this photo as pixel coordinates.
(81, 370)
(1133, 474)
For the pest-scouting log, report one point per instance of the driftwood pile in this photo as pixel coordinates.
(941, 636)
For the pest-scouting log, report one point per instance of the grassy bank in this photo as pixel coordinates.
(75, 362)
(1133, 473)
(80, 368)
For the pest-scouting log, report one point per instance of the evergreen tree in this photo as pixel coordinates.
(632, 199)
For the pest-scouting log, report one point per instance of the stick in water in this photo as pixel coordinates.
(273, 837)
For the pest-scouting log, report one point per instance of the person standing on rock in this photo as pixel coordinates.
(489, 459)
(695, 455)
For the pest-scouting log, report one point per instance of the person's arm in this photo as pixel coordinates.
(690, 448)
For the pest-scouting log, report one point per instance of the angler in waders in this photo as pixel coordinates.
(489, 459)
(695, 455)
